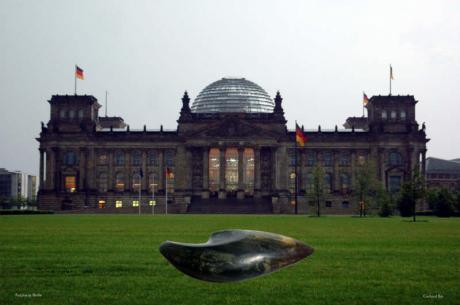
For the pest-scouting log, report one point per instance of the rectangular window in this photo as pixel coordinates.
(135, 203)
(152, 202)
(327, 157)
(311, 159)
(328, 204)
(394, 184)
(70, 184)
(345, 159)
(101, 204)
(118, 204)
(345, 204)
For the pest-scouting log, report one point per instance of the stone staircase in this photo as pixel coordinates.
(230, 206)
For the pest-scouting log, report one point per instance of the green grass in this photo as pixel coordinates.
(114, 259)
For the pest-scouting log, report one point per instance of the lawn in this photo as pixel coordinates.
(114, 259)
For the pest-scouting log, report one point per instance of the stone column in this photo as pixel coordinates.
(257, 190)
(144, 171)
(381, 158)
(56, 183)
(91, 169)
(353, 168)
(161, 163)
(128, 174)
(82, 170)
(240, 193)
(336, 186)
(42, 165)
(110, 174)
(222, 163)
(205, 191)
(300, 162)
(49, 180)
(423, 171)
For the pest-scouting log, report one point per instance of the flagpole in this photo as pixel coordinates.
(390, 78)
(295, 171)
(106, 103)
(75, 79)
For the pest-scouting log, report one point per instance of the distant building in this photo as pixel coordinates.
(232, 151)
(17, 184)
(443, 173)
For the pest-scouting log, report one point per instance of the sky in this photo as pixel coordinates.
(321, 55)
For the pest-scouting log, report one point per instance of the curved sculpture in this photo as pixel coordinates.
(235, 255)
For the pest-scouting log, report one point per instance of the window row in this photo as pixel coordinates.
(312, 158)
(153, 158)
(71, 114)
(121, 185)
(311, 184)
(120, 203)
(394, 115)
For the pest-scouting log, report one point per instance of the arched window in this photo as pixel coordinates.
(136, 182)
(136, 156)
(80, 114)
(153, 158)
(103, 182)
(119, 158)
(328, 182)
(395, 158)
(345, 182)
(70, 158)
(120, 182)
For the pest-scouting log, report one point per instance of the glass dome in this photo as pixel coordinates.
(233, 95)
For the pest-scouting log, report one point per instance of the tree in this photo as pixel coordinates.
(384, 202)
(411, 191)
(365, 184)
(443, 205)
(317, 187)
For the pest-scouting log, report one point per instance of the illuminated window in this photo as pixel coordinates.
(248, 170)
(214, 169)
(70, 184)
(152, 202)
(120, 182)
(361, 159)
(153, 182)
(135, 203)
(118, 204)
(231, 169)
(101, 204)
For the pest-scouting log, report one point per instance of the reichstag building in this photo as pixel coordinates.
(232, 152)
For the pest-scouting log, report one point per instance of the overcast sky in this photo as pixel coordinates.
(321, 55)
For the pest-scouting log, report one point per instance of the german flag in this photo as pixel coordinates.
(299, 136)
(79, 72)
(365, 99)
(169, 173)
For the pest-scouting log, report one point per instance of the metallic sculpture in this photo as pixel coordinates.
(235, 255)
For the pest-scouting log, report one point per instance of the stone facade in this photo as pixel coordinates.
(219, 156)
